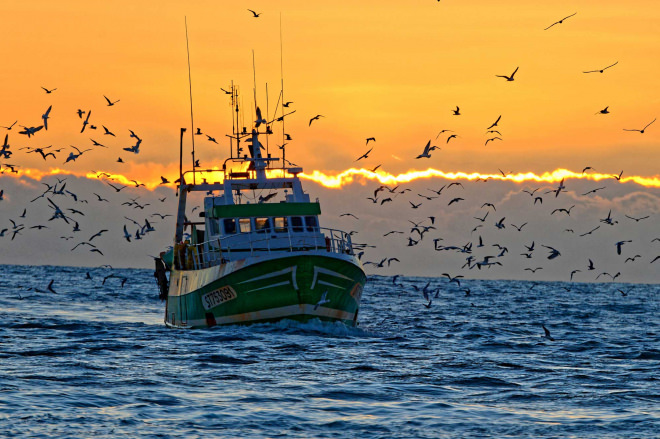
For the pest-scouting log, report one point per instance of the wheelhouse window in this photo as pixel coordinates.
(229, 226)
(312, 223)
(281, 224)
(244, 225)
(262, 225)
(297, 224)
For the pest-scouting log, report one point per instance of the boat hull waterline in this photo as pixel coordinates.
(300, 286)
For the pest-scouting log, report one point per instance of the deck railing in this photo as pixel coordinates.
(241, 245)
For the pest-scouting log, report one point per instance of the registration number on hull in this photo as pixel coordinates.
(216, 297)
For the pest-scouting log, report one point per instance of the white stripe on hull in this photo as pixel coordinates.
(196, 279)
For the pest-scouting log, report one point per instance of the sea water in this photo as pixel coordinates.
(94, 359)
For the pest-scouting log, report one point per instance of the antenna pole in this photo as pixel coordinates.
(183, 130)
(192, 123)
(254, 81)
(267, 136)
(282, 96)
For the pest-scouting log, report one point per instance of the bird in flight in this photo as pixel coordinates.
(108, 132)
(508, 78)
(370, 138)
(255, 14)
(110, 103)
(643, 129)
(494, 138)
(427, 151)
(364, 156)
(49, 91)
(604, 110)
(457, 111)
(45, 117)
(560, 21)
(603, 69)
(496, 122)
(315, 118)
(10, 126)
(86, 121)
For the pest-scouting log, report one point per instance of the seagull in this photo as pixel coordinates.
(619, 245)
(637, 219)
(95, 143)
(86, 121)
(590, 231)
(45, 117)
(315, 118)
(495, 123)
(126, 234)
(453, 136)
(110, 103)
(108, 132)
(370, 138)
(364, 156)
(457, 111)
(455, 279)
(164, 180)
(50, 287)
(494, 138)
(604, 110)
(117, 188)
(49, 91)
(260, 119)
(99, 197)
(508, 78)
(322, 301)
(553, 252)
(30, 131)
(286, 104)
(593, 191)
(442, 131)
(211, 139)
(547, 333)
(574, 272)
(603, 69)
(560, 21)
(99, 233)
(9, 127)
(426, 153)
(255, 14)
(642, 130)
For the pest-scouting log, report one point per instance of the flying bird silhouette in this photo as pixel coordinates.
(560, 21)
(643, 129)
(110, 103)
(508, 78)
(601, 70)
(495, 123)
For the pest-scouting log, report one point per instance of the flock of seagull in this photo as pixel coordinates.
(67, 206)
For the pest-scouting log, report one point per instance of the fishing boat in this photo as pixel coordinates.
(256, 252)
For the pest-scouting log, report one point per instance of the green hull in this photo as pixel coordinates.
(303, 286)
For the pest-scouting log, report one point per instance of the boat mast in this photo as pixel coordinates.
(192, 123)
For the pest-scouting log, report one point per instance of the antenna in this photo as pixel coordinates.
(282, 96)
(192, 123)
(254, 81)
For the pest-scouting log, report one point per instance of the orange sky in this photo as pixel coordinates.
(384, 69)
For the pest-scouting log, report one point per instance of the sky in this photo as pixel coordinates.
(390, 70)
